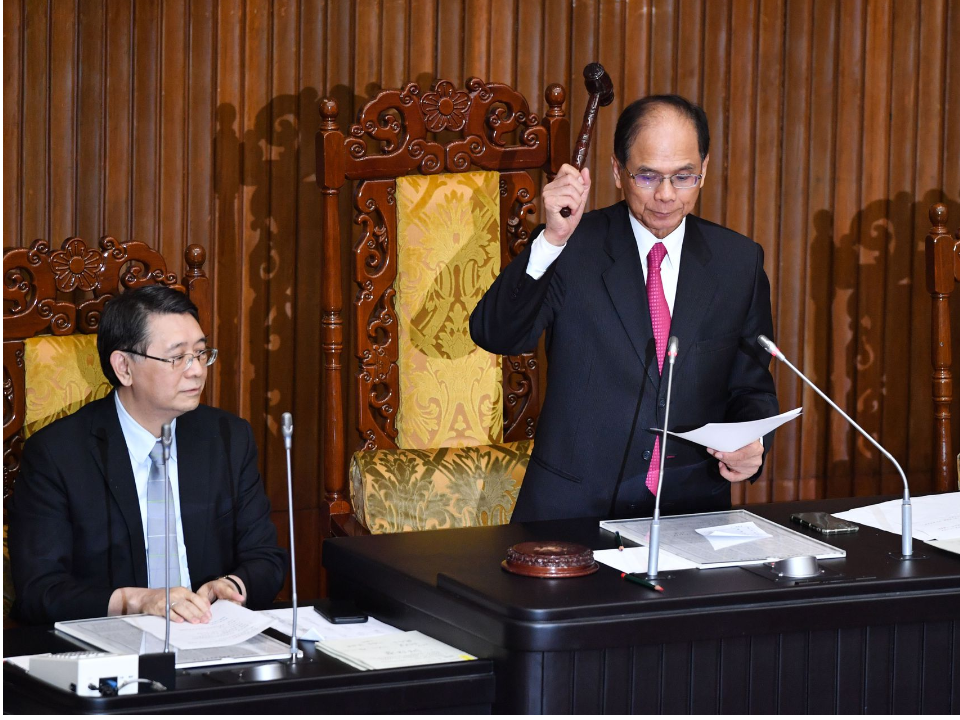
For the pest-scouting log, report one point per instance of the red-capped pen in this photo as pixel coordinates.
(639, 580)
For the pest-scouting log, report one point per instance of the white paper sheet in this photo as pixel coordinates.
(724, 536)
(394, 650)
(635, 559)
(231, 625)
(935, 517)
(727, 437)
(312, 626)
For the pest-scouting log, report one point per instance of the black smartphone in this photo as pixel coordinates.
(340, 612)
(825, 523)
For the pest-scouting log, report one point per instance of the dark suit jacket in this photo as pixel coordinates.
(604, 391)
(75, 528)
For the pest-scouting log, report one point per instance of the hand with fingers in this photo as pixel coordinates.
(570, 188)
(741, 464)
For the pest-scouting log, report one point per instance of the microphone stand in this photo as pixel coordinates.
(906, 513)
(166, 440)
(287, 429)
(654, 560)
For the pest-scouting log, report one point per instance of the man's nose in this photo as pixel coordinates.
(665, 191)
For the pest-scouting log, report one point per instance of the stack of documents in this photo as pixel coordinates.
(401, 649)
(311, 626)
(935, 517)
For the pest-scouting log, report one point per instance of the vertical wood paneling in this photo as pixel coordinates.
(35, 202)
(88, 181)
(834, 125)
(145, 181)
(12, 121)
(874, 237)
(899, 253)
(118, 108)
(846, 235)
(62, 99)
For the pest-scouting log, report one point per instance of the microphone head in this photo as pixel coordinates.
(286, 424)
(767, 344)
(166, 436)
(673, 346)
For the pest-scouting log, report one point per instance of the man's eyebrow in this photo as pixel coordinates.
(648, 169)
(186, 344)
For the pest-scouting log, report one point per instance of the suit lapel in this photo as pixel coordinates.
(112, 457)
(624, 283)
(194, 445)
(696, 287)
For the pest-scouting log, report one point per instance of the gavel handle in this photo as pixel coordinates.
(583, 141)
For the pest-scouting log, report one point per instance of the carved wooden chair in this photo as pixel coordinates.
(442, 197)
(943, 273)
(52, 300)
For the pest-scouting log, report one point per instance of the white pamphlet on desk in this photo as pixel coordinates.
(124, 635)
(391, 651)
(312, 626)
(755, 541)
(935, 517)
(635, 559)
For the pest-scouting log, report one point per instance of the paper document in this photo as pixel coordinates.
(231, 625)
(635, 559)
(935, 517)
(724, 536)
(311, 626)
(727, 437)
(948, 545)
(391, 651)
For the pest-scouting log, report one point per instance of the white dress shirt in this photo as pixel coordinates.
(140, 442)
(542, 254)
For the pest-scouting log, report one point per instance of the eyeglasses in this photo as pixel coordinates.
(183, 362)
(651, 180)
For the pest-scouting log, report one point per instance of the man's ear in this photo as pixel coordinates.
(616, 171)
(120, 362)
(703, 169)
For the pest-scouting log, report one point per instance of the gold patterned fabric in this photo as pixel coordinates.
(402, 490)
(448, 255)
(62, 375)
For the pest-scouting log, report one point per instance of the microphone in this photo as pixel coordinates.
(654, 560)
(166, 440)
(287, 430)
(906, 535)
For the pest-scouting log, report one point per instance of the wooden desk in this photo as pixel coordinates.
(320, 684)
(884, 638)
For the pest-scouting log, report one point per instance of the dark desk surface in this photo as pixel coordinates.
(318, 684)
(432, 569)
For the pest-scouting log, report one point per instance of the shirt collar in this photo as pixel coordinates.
(646, 239)
(140, 441)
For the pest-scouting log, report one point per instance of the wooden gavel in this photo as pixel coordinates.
(600, 87)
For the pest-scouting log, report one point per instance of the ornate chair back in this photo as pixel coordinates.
(943, 273)
(442, 197)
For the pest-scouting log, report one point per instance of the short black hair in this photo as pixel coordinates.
(123, 324)
(635, 115)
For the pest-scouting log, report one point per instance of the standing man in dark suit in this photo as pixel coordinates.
(86, 524)
(608, 288)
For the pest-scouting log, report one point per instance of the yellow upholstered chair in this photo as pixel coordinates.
(443, 191)
(52, 300)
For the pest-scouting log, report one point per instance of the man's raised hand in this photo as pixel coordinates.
(569, 188)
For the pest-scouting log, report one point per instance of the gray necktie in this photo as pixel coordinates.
(156, 530)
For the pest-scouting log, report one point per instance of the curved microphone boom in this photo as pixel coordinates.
(166, 440)
(673, 346)
(287, 430)
(906, 520)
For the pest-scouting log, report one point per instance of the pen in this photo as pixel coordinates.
(634, 578)
(619, 541)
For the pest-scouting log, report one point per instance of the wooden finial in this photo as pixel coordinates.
(938, 218)
(196, 256)
(329, 112)
(555, 95)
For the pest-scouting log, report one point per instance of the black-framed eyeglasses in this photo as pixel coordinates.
(183, 362)
(649, 180)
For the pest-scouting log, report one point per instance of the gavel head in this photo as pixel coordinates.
(598, 82)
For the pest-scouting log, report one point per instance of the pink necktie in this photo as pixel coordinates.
(660, 317)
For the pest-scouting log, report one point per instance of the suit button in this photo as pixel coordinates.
(647, 455)
(663, 402)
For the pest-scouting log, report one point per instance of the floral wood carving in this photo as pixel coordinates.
(394, 132)
(375, 269)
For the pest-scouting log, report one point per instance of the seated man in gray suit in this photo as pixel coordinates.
(87, 519)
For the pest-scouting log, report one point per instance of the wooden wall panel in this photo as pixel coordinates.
(834, 126)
